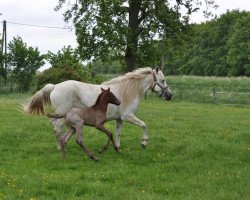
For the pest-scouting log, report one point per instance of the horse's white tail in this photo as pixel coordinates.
(35, 105)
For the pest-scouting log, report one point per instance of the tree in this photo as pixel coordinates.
(23, 62)
(238, 45)
(219, 47)
(126, 27)
(65, 65)
(66, 56)
(70, 58)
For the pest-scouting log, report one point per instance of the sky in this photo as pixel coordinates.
(41, 13)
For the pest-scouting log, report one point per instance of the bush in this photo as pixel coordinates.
(56, 75)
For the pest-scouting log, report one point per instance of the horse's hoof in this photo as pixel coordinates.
(117, 149)
(59, 148)
(143, 145)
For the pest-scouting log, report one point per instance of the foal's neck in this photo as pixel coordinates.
(101, 104)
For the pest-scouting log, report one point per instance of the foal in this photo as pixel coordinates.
(92, 116)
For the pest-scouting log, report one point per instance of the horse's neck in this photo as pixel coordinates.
(146, 84)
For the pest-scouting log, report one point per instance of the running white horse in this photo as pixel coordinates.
(128, 88)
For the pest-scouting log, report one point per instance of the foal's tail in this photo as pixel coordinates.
(56, 115)
(35, 105)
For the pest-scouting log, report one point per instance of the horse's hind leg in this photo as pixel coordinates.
(58, 129)
(79, 140)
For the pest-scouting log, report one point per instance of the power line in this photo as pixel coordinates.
(40, 26)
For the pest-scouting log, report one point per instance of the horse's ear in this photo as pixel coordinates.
(108, 89)
(157, 69)
(102, 89)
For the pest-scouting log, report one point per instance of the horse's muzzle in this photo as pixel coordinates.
(167, 96)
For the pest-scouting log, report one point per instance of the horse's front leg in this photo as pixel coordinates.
(134, 120)
(58, 129)
(118, 132)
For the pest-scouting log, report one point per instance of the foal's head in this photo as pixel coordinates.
(109, 97)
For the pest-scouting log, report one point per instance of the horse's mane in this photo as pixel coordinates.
(130, 83)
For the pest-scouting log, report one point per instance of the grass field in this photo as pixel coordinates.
(195, 151)
(216, 90)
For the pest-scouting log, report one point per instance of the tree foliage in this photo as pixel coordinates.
(56, 75)
(23, 62)
(220, 47)
(238, 45)
(65, 65)
(126, 28)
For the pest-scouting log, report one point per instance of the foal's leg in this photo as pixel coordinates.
(58, 129)
(118, 135)
(134, 120)
(105, 147)
(109, 134)
(79, 140)
(65, 139)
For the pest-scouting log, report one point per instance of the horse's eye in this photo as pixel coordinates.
(163, 81)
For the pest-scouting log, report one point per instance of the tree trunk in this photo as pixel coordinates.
(132, 38)
(130, 59)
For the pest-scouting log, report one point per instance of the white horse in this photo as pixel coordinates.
(128, 88)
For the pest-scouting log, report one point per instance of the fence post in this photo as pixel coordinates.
(181, 90)
(214, 93)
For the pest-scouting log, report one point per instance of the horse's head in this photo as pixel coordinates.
(111, 98)
(160, 86)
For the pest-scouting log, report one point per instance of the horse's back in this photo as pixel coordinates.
(72, 93)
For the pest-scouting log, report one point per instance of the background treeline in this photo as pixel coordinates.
(220, 47)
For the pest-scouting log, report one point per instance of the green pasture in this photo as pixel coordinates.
(195, 151)
(215, 90)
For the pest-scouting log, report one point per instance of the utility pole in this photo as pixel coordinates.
(4, 50)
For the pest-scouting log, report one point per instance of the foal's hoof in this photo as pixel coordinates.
(95, 159)
(103, 149)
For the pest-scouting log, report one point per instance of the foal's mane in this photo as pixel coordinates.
(130, 84)
(98, 98)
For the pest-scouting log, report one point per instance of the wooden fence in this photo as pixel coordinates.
(212, 94)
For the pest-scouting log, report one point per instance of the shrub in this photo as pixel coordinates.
(56, 75)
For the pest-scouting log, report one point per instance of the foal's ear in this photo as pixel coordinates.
(105, 90)
(157, 69)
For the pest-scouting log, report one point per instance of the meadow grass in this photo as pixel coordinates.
(216, 90)
(195, 151)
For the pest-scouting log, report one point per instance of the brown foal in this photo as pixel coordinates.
(95, 116)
